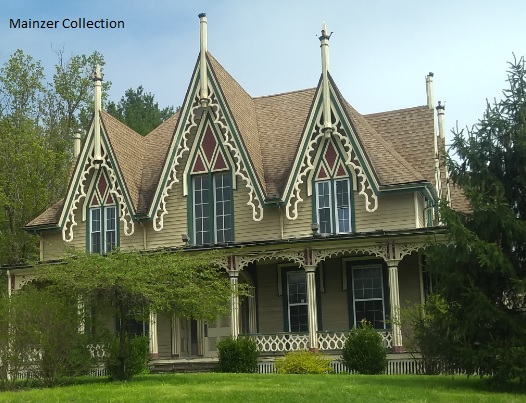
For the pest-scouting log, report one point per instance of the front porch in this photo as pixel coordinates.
(306, 298)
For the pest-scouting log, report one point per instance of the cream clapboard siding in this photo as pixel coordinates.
(246, 229)
(409, 281)
(53, 247)
(269, 303)
(301, 226)
(420, 206)
(164, 335)
(334, 305)
(395, 211)
(133, 241)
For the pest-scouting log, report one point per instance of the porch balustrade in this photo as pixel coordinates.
(334, 340)
(281, 342)
(327, 340)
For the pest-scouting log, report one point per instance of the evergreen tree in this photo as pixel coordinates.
(137, 110)
(481, 274)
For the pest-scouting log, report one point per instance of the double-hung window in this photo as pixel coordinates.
(333, 206)
(297, 301)
(103, 229)
(368, 294)
(212, 208)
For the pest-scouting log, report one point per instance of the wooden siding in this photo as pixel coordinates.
(244, 224)
(334, 305)
(164, 335)
(395, 211)
(409, 281)
(53, 247)
(269, 303)
(133, 241)
(301, 226)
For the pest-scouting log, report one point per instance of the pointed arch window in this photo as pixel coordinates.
(102, 218)
(333, 186)
(212, 192)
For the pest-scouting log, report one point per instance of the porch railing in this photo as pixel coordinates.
(327, 340)
(281, 342)
(334, 340)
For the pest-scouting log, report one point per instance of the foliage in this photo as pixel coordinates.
(159, 281)
(137, 358)
(426, 327)
(481, 273)
(363, 351)
(303, 362)
(137, 110)
(238, 355)
(37, 122)
(40, 334)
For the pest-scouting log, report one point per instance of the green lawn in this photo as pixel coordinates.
(213, 387)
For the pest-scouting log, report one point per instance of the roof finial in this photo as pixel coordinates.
(203, 75)
(324, 45)
(97, 79)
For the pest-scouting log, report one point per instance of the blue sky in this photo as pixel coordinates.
(380, 51)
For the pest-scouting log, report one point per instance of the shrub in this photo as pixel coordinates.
(238, 355)
(303, 362)
(363, 351)
(136, 356)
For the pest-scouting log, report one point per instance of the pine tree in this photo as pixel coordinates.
(481, 273)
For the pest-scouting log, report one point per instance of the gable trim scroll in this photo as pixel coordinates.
(189, 121)
(343, 135)
(79, 187)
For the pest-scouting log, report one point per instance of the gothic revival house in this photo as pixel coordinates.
(324, 211)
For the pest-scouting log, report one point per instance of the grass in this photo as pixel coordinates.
(214, 387)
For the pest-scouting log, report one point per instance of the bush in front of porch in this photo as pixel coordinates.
(363, 351)
(238, 355)
(303, 362)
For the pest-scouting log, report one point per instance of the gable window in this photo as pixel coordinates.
(212, 208)
(369, 294)
(297, 301)
(211, 205)
(103, 219)
(333, 191)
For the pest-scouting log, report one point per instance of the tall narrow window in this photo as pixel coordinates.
(111, 228)
(368, 295)
(95, 229)
(223, 207)
(297, 301)
(212, 208)
(202, 209)
(343, 207)
(324, 207)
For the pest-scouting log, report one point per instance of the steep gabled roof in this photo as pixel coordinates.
(281, 121)
(243, 110)
(411, 133)
(156, 145)
(128, 149)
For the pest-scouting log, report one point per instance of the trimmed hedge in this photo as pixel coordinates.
(238, 355)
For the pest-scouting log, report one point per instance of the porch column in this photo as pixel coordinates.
(176, 338)
(394, 299)
(312, 307)
(234, 303)
(154, 345)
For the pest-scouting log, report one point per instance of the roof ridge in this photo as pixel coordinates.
(285, 93)
(396, 110)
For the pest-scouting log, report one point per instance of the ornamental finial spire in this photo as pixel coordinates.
(97, 80)
(324, 45)
(203, 75)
